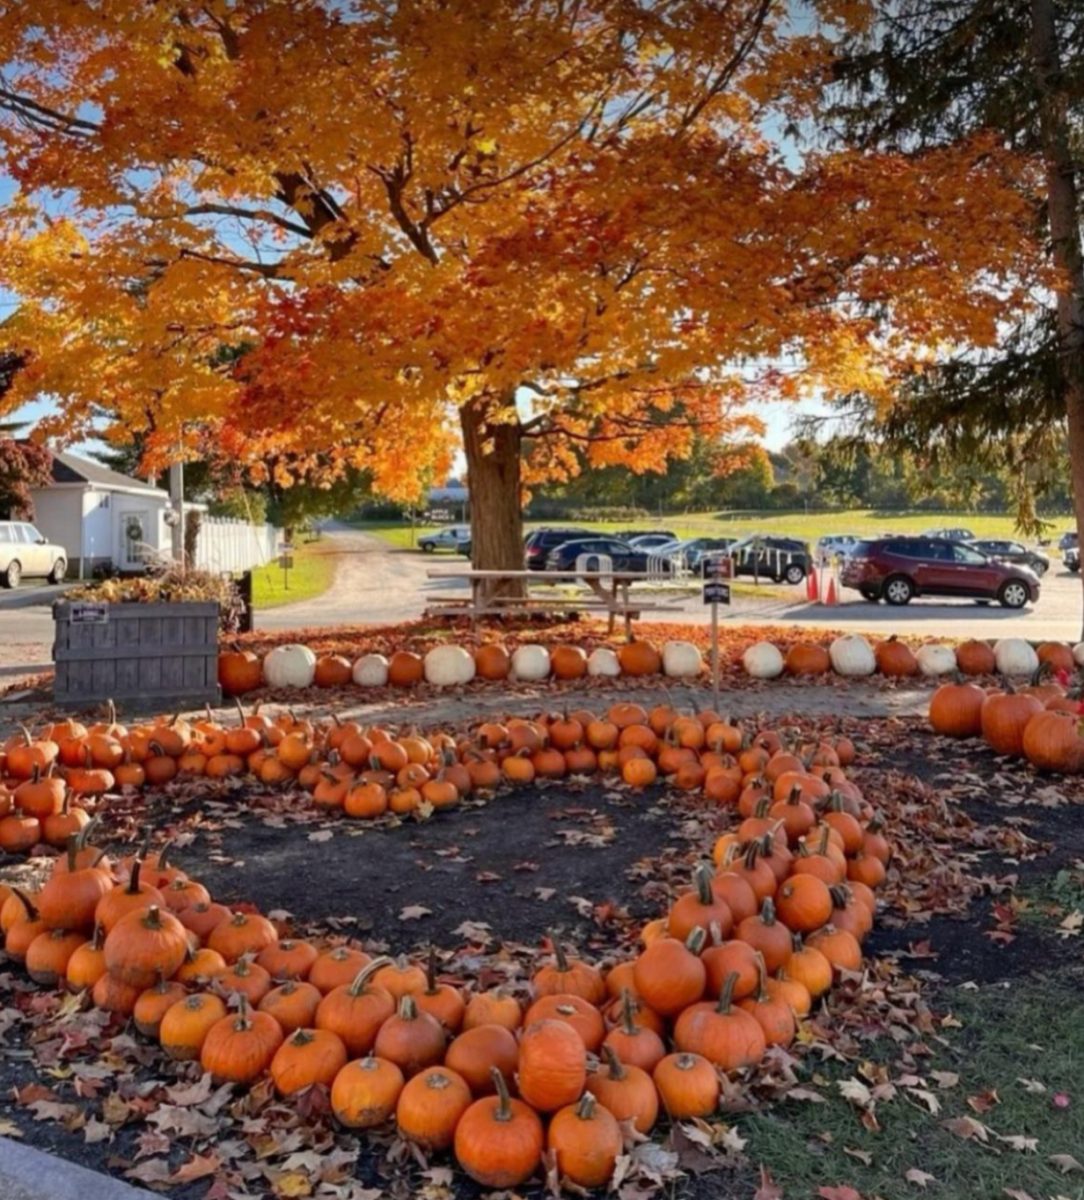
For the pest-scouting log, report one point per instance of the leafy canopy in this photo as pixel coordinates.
(392, 212)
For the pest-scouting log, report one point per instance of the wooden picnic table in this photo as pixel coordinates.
(609, 592)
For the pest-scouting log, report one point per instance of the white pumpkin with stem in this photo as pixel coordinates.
(936, 659)
(681, 660)
(852, 656)
(1014, 656)
(371, 670)
(449, 666)
(530, 663)
(603, 663)
(763, 660)
(289, 666)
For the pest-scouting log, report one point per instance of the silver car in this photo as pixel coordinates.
(23, 551)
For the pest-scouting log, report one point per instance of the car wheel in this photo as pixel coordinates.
(427, 547)
(1040, 568)
(10, 578)
(898, 590)
(1013, 594)
(60, 569)
(795, 573)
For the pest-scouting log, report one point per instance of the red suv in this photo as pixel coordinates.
(899, 568)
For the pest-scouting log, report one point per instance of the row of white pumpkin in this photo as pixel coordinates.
(853, 656)
(449, 666)
(294, 665)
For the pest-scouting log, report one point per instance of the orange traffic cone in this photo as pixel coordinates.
(830, 595)
(811, 592)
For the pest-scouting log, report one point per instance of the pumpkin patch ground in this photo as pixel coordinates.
(950, 1064)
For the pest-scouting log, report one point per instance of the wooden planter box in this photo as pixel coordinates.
(156, 655)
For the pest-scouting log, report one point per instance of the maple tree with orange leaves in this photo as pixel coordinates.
(553, 232)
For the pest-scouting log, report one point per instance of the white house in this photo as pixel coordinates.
(100, 516)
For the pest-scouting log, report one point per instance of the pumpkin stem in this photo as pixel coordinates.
(795, 796)
(367, 972)
(694, 943)
(27, 903)
(301, 1037)
(133, 878)
(153, 918)
(762, 979)
(97, 938)
(703, 877)
(559, 956)
(503, 1111)
(715, 931)
(585, 1110)
(242, 1023)
(431, 972)
(628, 1013)
(613, 1061)
(767, 911)
(796, 943)
(72, 846)
(726, 993)
(408, 1008)
(841, 895)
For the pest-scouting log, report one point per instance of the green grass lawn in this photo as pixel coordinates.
(311, 575)
(808, 526)
(1012, 1055)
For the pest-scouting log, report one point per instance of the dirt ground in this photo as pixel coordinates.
(587, 862)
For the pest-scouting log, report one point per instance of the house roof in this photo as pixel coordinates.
(69, 468)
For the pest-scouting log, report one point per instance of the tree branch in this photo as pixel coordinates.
(54, 119)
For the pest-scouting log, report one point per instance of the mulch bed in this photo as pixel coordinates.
(486, 884)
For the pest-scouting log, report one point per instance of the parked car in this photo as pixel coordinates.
(899, 568)
(952, 535)
(451, 538)
(540, 542)
(1070, 552)
(836, 544)
(1067, 539)
(24, 551)
(652, 542)
(622, 556)
(693, 551)
(629, 535)
(778, 558)
(1013, 552)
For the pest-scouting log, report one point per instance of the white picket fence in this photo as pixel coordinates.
(225, 544)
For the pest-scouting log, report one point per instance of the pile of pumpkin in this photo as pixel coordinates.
(731, 969)
(853, 656)
(850, 655)
(296, 666)
(1041, 722)
(363, 772)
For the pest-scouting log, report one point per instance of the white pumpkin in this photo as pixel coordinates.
(530, 663)
(681, 660)
(603, 663)
(448, 666)
(371, 670)
(292, 665)
(763, 661)
(936, 659)
(1078, 654)
(852, 655)
(1014, 656)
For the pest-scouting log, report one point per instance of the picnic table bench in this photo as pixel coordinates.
(607, 591)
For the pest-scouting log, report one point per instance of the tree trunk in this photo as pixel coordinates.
(493, 477)
(1064, 216)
